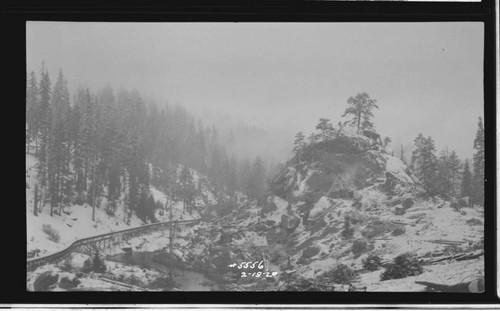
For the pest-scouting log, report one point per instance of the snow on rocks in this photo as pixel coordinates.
(320, 207)
(398, 169)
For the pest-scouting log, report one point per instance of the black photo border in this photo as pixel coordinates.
(14, 16)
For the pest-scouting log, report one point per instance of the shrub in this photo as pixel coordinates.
(342, 274)
(310, 251)
(399, 210)
(348, 231)
(95, 264)
(407, 203)
(452, 249)
(44, 281)
(398, 231)
(98, 264)
(53, 234)
(403, 266)
(222, 260)
(87, 265)
(133, 280)
(164, 283)
(474, 222)
(359, 247)
(66, 264)
(372, 262)
(68, 283)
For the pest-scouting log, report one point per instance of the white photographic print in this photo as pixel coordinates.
(255, 157)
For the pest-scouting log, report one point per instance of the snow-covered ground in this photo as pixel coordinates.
(74, 223)
(76, 220)
(441, 273)
(418, 226)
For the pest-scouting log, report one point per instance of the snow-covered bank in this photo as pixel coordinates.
(76, 222)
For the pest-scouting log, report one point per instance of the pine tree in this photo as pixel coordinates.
(313, 138)
(360, 108)
(340, 129)
(387, 141)
(454, 167)
(115, 144)
(429, 166)
(187, 190)
(466, 186)
(84, 151)
(108, 143)
(32, 112)
(416, 156)
(478, 165)
(424, 163)
(59, 153)
(298, 145)
(232, 182)
(257, 185)
(44, 125)
(245, 176)
(444, 181)
(325, 129)
(402, 155)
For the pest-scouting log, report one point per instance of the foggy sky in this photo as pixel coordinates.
(426, 77)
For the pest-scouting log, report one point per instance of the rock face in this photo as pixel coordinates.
(338, 168)
(342, 203)
(268, 207)
(276, 236)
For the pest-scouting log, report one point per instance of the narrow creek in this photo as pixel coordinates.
(188, 280)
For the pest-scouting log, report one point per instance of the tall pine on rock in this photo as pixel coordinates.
(360, 109)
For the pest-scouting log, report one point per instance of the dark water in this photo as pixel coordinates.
(188, 280)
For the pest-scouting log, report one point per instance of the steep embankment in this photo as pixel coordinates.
(48, 234)
(342, 201)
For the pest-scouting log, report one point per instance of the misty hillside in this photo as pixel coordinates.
(209, 207)
(335, 217)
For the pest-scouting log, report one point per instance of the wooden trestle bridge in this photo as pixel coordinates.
(103, 241)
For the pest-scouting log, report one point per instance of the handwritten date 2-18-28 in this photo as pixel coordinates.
(258, 274)
(253, 265)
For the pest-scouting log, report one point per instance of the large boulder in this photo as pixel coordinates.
(268, 208)
(277, 235)
(290, 222)
(222, 260)
(310, 251)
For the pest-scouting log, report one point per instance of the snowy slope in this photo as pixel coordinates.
(78, 224)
